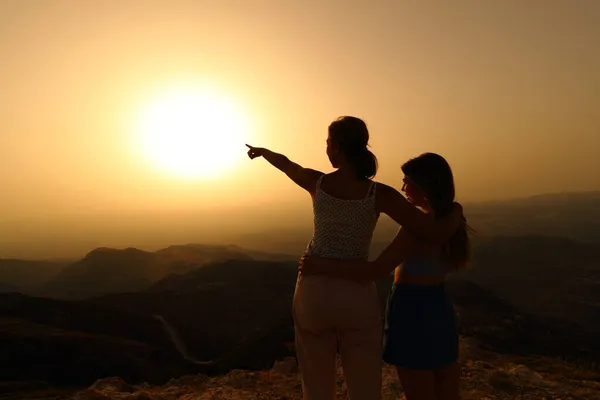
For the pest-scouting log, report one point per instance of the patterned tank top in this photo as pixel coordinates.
(343, 229)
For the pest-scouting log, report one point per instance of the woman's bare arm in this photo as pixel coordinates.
(306, 178)
(362, 270)
(392, 203)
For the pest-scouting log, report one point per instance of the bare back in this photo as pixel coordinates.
(422, 261)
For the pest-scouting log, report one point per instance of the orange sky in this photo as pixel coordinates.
(505, 90)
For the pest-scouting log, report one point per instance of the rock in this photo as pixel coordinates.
(525, 373)
(91, 394)
(188, 380)
(502, 381)
(469, 350)
(241, 379)
(114, 384)
(111, 394)
(144, 396)
(286, 366)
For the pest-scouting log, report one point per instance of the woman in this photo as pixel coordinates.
(330, 311)
(421, 337)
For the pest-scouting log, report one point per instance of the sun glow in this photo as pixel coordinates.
(192, 132)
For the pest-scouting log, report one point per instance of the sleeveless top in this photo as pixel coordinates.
(343, 229)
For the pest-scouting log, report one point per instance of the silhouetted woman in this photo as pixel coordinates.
(421, 336)
(329, 310)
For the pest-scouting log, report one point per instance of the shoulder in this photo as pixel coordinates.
(386, 190)
(386, 196)
(313, 173)
(311, 179)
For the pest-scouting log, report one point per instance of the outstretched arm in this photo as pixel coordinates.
(392, 203)
(361, 270)
(304, 177)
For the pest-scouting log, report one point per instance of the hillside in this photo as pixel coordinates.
(223, 317)
(130, 332)
(484, 375)
(246, 303)
(542, 275)
(104, 270)
(221, 292)
(26, 276)
(65, 342)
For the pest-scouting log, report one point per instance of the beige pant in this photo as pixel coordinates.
(330, 311)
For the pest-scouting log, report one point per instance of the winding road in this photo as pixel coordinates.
(179, 345)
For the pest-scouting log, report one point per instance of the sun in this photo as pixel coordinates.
(192, 132)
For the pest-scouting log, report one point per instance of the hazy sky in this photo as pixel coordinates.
(507, 91)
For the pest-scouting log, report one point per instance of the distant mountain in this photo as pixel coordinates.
(25, 276)
(542, 275)
(106, 270)
(571, 215)
(4, 288)
(184, 258)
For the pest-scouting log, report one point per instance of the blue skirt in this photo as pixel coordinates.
(420, 332)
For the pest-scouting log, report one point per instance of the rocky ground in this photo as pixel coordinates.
(485, 375)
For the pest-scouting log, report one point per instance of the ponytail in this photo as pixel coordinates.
(364, 162)
(352, 135)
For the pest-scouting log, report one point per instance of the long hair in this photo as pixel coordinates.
(433, 175)
(352, 135)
